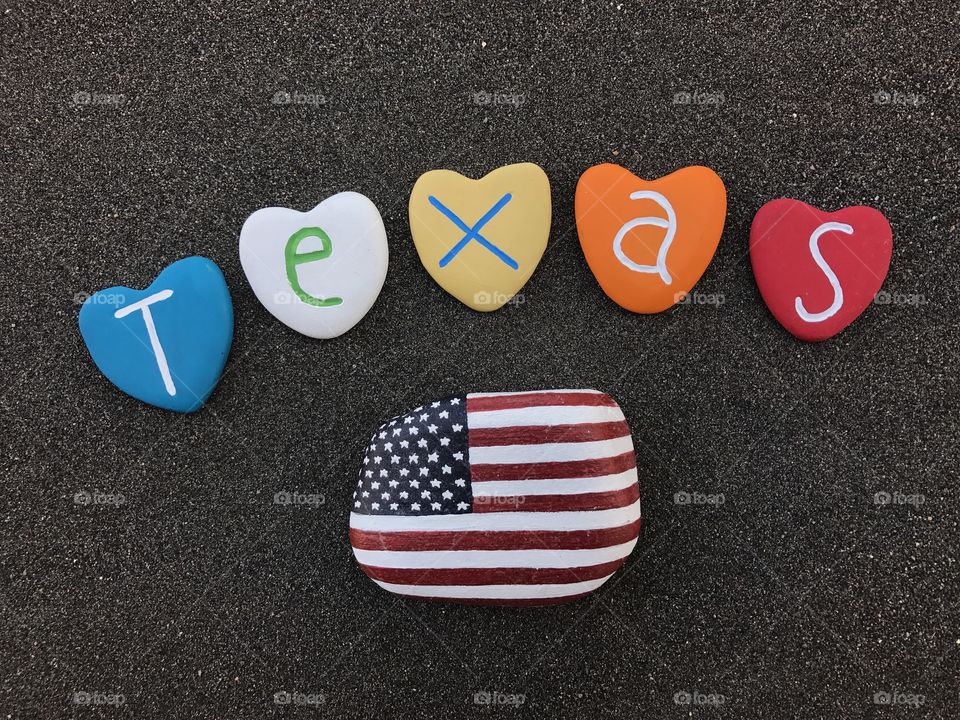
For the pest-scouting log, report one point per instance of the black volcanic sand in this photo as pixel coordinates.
(135, 137)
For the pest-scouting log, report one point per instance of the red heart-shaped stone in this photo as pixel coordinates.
(817, 271)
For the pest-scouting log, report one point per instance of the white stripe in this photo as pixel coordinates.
(454, 558)
(500, 521)
(566, 486)
(550, 452)
(543, 415)
(496, 592)
(531, 392)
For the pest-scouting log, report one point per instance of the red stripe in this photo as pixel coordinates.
(491, 576)
(553, 470)
(494, 540)
(512, 602)
(536, 434)
(507, 402)
(557, 503)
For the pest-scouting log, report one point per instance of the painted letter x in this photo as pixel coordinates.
(473, 233)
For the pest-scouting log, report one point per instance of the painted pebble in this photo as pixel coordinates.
(527, 498)
(481, 239)
(818, 271)
(165, 345)
(648, 242)
(318, 272)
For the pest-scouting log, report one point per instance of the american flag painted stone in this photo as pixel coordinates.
(527, 498)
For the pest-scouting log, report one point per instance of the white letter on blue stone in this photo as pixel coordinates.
(144, 307)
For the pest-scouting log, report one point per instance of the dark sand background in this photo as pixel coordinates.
(198, 596)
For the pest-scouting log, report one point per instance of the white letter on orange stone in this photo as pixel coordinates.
(144, 307)
(831, 276)
(670, 224)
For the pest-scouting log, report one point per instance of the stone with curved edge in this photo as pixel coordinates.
(481, 239)
(165, 345)
(318, 272)
(818, 271)
(521, 498)
(648, 242)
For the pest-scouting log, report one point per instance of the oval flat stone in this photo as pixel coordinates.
(318, 272)
(527, 498)
(481, 239)
(818, 271)
(648, 242)
(165, 345)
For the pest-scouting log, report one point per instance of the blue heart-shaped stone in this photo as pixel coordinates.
(165, 345)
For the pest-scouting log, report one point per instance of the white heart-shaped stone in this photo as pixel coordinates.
(318, 272)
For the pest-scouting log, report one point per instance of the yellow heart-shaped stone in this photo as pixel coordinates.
(481, 239)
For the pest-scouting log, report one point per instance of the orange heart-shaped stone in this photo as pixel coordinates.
(649, 241)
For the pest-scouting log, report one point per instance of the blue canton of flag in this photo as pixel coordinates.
(418, 464)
